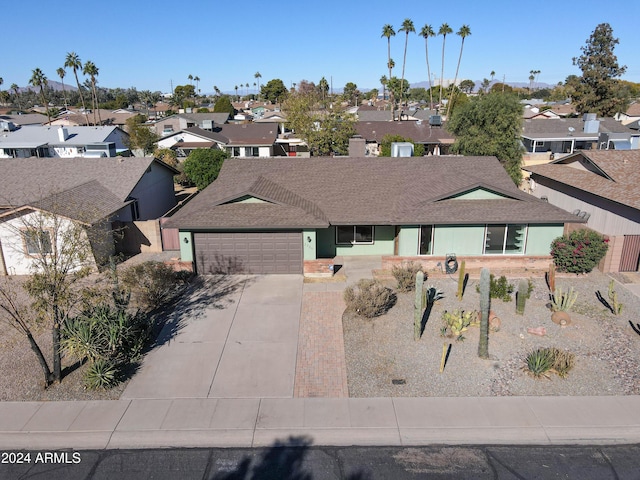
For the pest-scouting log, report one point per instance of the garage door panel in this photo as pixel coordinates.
(249, 252)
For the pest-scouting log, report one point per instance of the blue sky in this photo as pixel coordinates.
(149, 45)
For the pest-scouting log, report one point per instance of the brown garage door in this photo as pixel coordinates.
(249, 252)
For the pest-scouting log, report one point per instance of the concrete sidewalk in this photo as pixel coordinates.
(211, 422)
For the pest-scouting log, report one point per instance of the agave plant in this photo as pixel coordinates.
(539, 362)
(101, 374)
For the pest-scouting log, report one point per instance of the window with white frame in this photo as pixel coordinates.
(426, 240)
(37, 242)
(354, 234)
(505, 239)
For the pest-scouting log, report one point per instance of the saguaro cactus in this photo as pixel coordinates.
(417, 307)
(521, 297)
(483, 345)
(461, 277)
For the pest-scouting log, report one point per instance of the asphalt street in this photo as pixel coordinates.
(297, 460)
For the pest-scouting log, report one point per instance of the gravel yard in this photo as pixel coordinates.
(383, 360)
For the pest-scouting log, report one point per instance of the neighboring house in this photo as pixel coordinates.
(288, 216)
(182, 121)
(566, 135)
(65, 142)
(22, 120)
(435, 139)
(90, 192)
(246, 140)
(630, 116)
(602, 187)
(116, 118)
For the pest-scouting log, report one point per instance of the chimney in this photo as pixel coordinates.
(63, 134)
(357, 146)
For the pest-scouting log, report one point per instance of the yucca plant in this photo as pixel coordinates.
(101, 374)
(539, 362)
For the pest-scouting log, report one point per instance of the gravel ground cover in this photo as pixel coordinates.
(383, 359)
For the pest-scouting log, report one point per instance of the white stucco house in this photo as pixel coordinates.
(45, 204)
(62, 142)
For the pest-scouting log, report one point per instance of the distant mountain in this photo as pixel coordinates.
(52, 84)
(537, 85)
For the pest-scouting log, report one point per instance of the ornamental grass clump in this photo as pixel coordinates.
(579, 252)
(368, 298)
(544, 361)
(405, 275)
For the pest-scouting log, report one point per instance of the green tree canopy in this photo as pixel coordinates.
(397, 87)
(326, 132)
(223, 105)
(140, 136)
(599, 91)
(202, 166)
(273, 91)
(490, 125)
(467, 86)
(387, 140)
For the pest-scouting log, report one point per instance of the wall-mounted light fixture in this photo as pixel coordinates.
(185, 239)
(309, 239)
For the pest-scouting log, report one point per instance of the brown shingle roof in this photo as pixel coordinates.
(559, 127)
(622, 168)
(320, 191)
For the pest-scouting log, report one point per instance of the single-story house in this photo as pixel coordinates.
(566, 135)
(246, 140)
(24, 119)
(94, 193)
(630, 116)
(182, 121)
(436, 139)
(283, 215)
(63, 142)
(603, 188)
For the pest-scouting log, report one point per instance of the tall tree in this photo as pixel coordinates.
(223, 105)
(91, 70)
(61, 73)
(273, 91)
(464, 32)
(73, 62)
(190, 77)
(445, 30)
(237, 98)
(490, 124)
(197, 80)
(492, 75)
(257, 76)
(532, 77)
(407, 27)
(599, 90)
(16, 91)
(383, 82)
(427, 32)
(323, 86)
(39, 80)
(388, 32)
(141, 140)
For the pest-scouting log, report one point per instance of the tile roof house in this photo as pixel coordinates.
(181, 121)
(603, 188)
(281, 215)
(92, 192)
(65, 142)
(436, 139)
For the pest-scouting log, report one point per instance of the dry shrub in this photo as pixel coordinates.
(405, 275)
(368, 298)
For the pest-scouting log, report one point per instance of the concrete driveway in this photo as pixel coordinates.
(234, 337)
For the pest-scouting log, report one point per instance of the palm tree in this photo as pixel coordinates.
(492, 74)
(388, 32)
(39, 79)
(445, 30)
(407, 27)
(237, 98)
(73, 62)
(427, 32)
(383, 82)
(197, 80)
(536, 73)
(246, 85)
(16, 91)
(91, 70)
(190, 77)
(61, 73)
(217, 90)
(464, 32)
(532, 77)
(257, 76)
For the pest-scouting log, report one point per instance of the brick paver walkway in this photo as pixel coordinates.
(321, 369)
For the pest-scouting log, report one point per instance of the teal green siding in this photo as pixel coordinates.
(408, 240)
(458, 239)
(383, 243)
(186, 249)
(309, 247)
(478, 194)
(540, 237)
